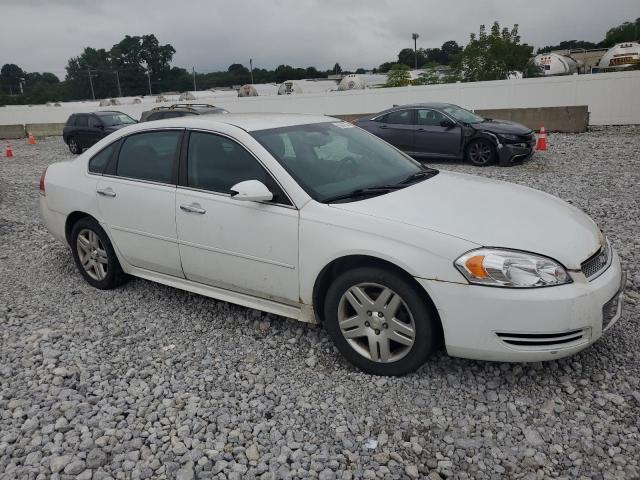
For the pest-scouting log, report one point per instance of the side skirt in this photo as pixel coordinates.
(300, 312)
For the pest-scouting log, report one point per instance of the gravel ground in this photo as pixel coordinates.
(151, 382)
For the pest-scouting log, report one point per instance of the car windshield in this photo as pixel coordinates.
(111, 119)
(336, 159)
(462, 115)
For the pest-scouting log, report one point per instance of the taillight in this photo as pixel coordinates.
(44, 172)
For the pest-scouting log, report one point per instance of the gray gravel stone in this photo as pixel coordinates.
(151, 382)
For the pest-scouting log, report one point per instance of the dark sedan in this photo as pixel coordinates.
(82, 130)
(446, 131)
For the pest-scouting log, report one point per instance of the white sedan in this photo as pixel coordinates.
(314, 219)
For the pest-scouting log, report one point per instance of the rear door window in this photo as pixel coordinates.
(400, 117)
(149, 156)
(94, 122)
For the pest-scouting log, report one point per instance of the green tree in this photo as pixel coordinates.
(626, 32)
(337, 69)
(406, 56)
(11, 76)
(493, 55)
(94, 62)
(568, 45)
(398, 76)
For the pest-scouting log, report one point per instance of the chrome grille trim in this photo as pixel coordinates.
(597, 264)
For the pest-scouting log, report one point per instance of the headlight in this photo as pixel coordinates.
(510, 137)
(510, 268)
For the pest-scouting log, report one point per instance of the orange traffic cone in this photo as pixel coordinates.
(32, 140)
(542, 139)
(8, 152)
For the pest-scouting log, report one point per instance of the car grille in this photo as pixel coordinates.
(537, 341)
(594, 266)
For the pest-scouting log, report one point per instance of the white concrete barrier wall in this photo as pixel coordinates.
(612, 98)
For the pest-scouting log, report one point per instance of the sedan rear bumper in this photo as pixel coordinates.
(526, 325)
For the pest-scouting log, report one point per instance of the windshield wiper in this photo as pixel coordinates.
(419, 175)
(363, 192)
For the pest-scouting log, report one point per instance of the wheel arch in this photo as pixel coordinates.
(341, 264)
(71, 220)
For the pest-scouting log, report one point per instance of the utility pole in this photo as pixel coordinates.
(149, 80)
(193, 70)
(93, 95)
(415, 48)
(251, 69)
(118, 82)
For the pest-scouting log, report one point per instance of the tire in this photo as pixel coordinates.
(74, 146)
(481, 153)
(101, 268)
(374, 328)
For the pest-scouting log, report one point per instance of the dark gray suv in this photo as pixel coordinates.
(444, 130)
(180, 110)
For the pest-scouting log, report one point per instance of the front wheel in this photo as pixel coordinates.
(481, 153)
(74, 146)
(379, 321)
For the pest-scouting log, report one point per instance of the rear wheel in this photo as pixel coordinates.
(481, 153)
(379, 321)
(94, 255)
(74, 146)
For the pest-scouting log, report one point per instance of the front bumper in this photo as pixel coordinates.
(511, 153)
(527, 325)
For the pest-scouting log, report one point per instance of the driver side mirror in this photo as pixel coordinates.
(251, 191)
(447, 123)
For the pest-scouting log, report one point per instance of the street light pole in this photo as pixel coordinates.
(118, 82)
(193, 70)
(251, 69)
(415, 48)
(149, 80)
(93, 95)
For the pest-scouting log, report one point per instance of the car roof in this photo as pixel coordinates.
(434, 105)
(246, 121)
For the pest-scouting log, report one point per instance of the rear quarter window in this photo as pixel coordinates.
(99, 161)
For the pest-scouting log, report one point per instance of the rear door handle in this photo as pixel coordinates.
(193, 208)
(383, 127)
(107, 192)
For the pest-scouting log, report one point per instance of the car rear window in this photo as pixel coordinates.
(81, 121)
(149, 156)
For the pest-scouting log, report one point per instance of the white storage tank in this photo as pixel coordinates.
(352, 82)
(550, 64)
(620, 56)
(290, 87)
(247, 90)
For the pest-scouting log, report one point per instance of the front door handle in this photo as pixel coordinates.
(107, 192)
(383, 127)
(193, 208)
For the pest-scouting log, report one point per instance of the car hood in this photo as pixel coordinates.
(490, 213)
(502, 126)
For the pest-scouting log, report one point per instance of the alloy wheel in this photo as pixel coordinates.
(376, 322)
(92, 254)
(73, 145)
(480, 153)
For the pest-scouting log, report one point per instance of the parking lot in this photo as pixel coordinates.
(151, 382)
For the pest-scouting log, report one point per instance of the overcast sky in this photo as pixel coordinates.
(41, 35)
